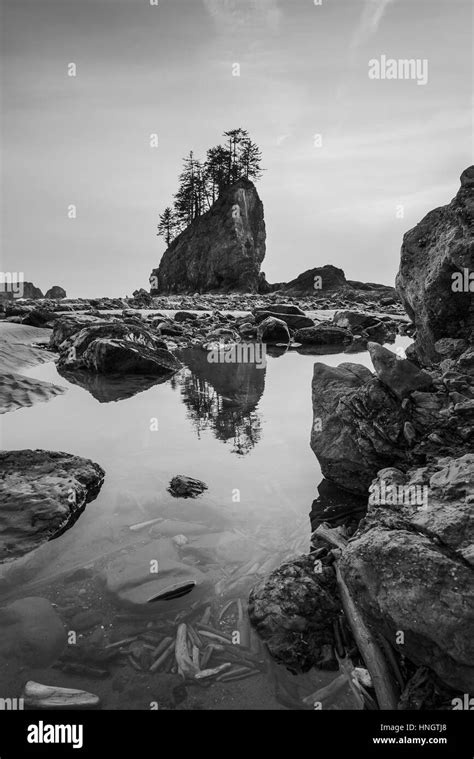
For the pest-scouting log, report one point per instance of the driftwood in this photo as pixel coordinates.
(384, 685)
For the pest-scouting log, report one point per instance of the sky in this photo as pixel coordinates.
(389, 150)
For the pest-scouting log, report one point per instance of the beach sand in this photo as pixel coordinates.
(18, 351)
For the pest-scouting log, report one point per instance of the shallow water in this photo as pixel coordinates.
(245, 432)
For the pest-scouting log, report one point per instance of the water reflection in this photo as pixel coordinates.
(107, 388)
(223, 398)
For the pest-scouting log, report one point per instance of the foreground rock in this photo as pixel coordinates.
(186, 487)
(411, 567)
(440, 246)
(111, 347)
(42, 493)
(294, 610)
(220, 251)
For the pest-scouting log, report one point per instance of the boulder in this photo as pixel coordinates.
(111, 347)
(56, 293)
(293, 611)
(186, 487)
(222, 250)
(273, 330)
(440, 246)
(398, 374)
(411, 568)
(42, 494)
(106, 356)
(323, 334)
(293, 321)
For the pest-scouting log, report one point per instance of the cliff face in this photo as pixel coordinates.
(440, 246)
(220, 251)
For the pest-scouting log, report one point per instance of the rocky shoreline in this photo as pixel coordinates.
(401, 437)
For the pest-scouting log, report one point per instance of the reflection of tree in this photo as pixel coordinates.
(223, 398)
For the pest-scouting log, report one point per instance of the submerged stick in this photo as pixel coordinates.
(384, 685)
(385, 688)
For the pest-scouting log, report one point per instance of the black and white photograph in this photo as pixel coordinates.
(237, 370)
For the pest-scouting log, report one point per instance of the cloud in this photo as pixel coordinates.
(244, 16)
(369, 22)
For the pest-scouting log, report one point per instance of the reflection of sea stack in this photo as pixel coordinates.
(223, 397)
(222, 250)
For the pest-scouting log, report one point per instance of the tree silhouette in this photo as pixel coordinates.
(200, 184)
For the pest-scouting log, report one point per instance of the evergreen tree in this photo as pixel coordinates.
(167, 225)
(200, 184)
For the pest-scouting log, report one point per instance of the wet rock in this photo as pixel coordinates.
(322, 334)
(106, 356)
(42, 493)
(293, 321)
(440, 246)
(273, 330)
(281, 308)
(111, 347)
(293, 611)
(354, 320)
(410, 567)
(39, 317)
(399, 375)
(32, 632)
(186, 487)
(184, 316)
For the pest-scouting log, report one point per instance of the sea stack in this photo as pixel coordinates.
(221, 251)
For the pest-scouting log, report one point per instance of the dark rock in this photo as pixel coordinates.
(322, 334)
(354, 320)
(220, 251)
(281, 308)
(31, 292)
(106, 356)
(398, 374)
(411, 569)
(331, 279)
(186, 487)
(441, 245)
(42, 494)
(184, 316)
(272, 330)
(39, 317)
(109, 347)
(56, 293)
(293, 611)
(293, 321)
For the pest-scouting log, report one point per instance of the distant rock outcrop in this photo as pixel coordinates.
(55, 293)
(440, 246)
(31, 292)
(220, 251)
(316, 280)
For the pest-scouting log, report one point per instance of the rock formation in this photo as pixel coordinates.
(42, 494)
(440, 246)
(220, 251)
(55, 293)
(314, 281)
